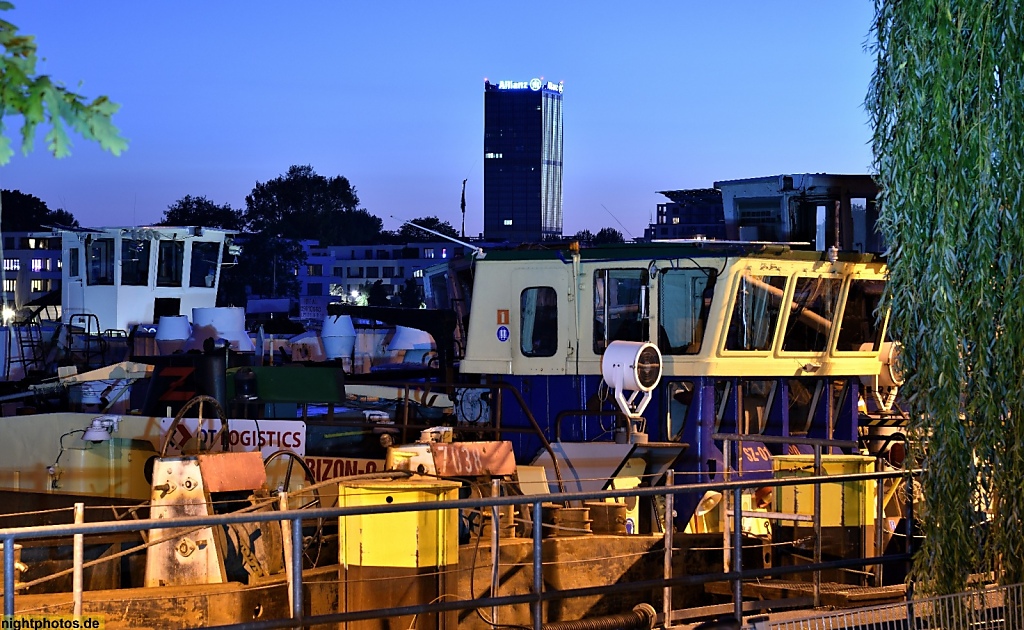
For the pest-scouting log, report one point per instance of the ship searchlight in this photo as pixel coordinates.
(636, 367)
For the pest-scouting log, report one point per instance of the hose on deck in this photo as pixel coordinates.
(642, 617)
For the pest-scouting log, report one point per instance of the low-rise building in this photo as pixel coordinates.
(691, 213)
(31, 267)
(810, 208)
(346, 273)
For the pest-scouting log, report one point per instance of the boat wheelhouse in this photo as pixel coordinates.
(130, 276)
(755, 339)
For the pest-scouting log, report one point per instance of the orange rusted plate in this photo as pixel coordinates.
(469, 459)
(227, 472)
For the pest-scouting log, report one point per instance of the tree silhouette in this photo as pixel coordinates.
(410, 295)
(201, 211)
(583, 237)
(412, 234)
(302, 204)
(376, 294)
(27, 213)
(608, 235)
(265, 268)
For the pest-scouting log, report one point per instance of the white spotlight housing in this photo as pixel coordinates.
(633, 366)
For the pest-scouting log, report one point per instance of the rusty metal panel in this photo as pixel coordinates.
(226, 472)
(469, 459)
(189, 556)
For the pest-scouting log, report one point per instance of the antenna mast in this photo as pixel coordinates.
(463, 208)
(478, 251)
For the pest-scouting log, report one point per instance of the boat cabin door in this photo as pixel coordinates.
(542, 320)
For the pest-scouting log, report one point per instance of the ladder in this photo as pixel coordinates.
(28, 351)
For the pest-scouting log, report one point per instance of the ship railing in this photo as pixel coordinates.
(818, 445)
(988, 607)
(292, 522)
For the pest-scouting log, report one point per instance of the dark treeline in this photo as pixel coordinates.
(298, 205)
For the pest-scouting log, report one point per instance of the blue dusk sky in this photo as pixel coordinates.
(219, 95)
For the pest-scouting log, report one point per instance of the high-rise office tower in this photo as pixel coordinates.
(522, 160)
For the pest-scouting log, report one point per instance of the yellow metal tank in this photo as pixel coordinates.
(842, 504)
(398, 559)
(847, 509)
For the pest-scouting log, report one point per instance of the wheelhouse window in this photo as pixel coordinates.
(620, 306)
(538, 322)
(169, 263)
(680, 397)
(73, 262)
(204, 263)
(861, 323)
(755, 313)
(685, 300)
(812, 311)
(101, 262)
(134, 263)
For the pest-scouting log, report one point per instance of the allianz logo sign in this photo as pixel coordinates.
(532, 84)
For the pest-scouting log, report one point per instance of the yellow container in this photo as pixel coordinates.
(847, 504)
(428, 538)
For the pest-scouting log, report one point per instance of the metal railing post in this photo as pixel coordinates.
(910, 548)
(879, 519)
(296, 572)
(8, 576)
(670, 529)
(724, 506)
(817, 526)
(78, 557)
(292, 535)
(495, 541)
(737, 554)
(538, 575)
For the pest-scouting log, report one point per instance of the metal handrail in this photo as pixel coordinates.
(9, 536)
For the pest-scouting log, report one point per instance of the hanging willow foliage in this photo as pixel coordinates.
(947, 104)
